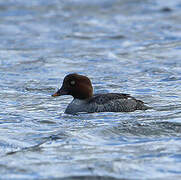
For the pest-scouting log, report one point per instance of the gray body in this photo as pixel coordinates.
(111, 102)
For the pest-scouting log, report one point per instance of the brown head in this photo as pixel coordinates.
(78, 86)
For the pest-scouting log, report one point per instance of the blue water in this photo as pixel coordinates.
(122, 46)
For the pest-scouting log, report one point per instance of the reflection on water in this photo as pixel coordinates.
(123, 46)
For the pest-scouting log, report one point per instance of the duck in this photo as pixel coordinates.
(84, 101)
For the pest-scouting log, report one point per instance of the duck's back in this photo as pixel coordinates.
(116, 102)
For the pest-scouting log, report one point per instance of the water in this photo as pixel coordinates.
(123, 46)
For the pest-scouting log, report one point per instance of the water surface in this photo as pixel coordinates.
(123, 46)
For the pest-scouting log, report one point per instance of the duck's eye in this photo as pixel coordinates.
(72, 82)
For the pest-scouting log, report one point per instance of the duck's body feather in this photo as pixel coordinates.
(111, 102)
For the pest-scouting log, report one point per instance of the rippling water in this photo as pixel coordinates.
(123, 46)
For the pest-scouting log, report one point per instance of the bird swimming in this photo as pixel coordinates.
(80, 87)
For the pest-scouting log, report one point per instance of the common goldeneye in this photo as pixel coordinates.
(81, 89)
